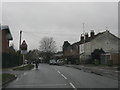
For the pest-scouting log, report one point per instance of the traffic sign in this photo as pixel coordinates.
(23, 46)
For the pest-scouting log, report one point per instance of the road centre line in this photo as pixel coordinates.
(58, 72)
(73, 86)
(63, 76)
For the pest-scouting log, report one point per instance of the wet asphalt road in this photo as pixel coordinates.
(51, 76)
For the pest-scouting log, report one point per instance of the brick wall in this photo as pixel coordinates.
(115, 57)
(5, 43)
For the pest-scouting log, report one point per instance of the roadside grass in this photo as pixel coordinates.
(26, 67)
(7, 77)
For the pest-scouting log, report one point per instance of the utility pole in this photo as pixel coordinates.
(20, 39)
(84, 28)
(84, 41)
(20, 46)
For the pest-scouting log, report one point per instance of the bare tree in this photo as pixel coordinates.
(47, 47)
(47, 44)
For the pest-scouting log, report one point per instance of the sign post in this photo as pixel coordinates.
(23, 50)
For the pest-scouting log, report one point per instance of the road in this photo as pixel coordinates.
(51, 76)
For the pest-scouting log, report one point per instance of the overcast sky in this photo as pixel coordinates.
(60, 20)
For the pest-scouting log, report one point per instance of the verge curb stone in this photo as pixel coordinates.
(95, 71)
(8, 81)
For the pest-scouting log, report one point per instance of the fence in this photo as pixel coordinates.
(10, 60)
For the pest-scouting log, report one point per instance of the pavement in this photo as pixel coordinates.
(11, 71)
(52, 76)
(107, 71)
(11, 68)
(15, 72)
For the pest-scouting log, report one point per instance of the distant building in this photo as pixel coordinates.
(6, 37)
(71, 52)
(105, 40)
(67, 49)
(58, 55)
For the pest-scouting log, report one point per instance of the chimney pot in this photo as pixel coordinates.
(86, 36)
(92, 33)
(82, 37)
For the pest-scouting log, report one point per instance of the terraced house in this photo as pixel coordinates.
(103, 40)
(80, 52)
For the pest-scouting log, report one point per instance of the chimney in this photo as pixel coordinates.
(82, 37)
(92, 33)
(86, 35)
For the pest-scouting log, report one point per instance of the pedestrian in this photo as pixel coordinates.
(36, 64)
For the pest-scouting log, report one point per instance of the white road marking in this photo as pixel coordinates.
(58, 72)
(64, 76)
(73, 86)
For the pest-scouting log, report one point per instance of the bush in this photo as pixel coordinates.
(96, 54)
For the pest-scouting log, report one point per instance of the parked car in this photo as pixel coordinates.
(60, 62)
(52, 62)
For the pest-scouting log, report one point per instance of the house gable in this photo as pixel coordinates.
(107, 41)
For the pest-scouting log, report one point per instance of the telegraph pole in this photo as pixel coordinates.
(20, 39)
(20, 47)
(84, 28)
(84, 42)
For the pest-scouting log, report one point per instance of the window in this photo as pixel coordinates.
(81, 48)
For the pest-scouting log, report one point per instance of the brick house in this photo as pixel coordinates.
(71, 52)
(6, 37)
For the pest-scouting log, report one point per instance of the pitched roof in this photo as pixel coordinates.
(4, 27)
(91, 38)
(66, 44)
(7, 31)
(88, 39)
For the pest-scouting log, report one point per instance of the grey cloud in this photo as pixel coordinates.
(63, 21)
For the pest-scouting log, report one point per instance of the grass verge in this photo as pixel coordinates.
(6, 77)
(26, 67)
